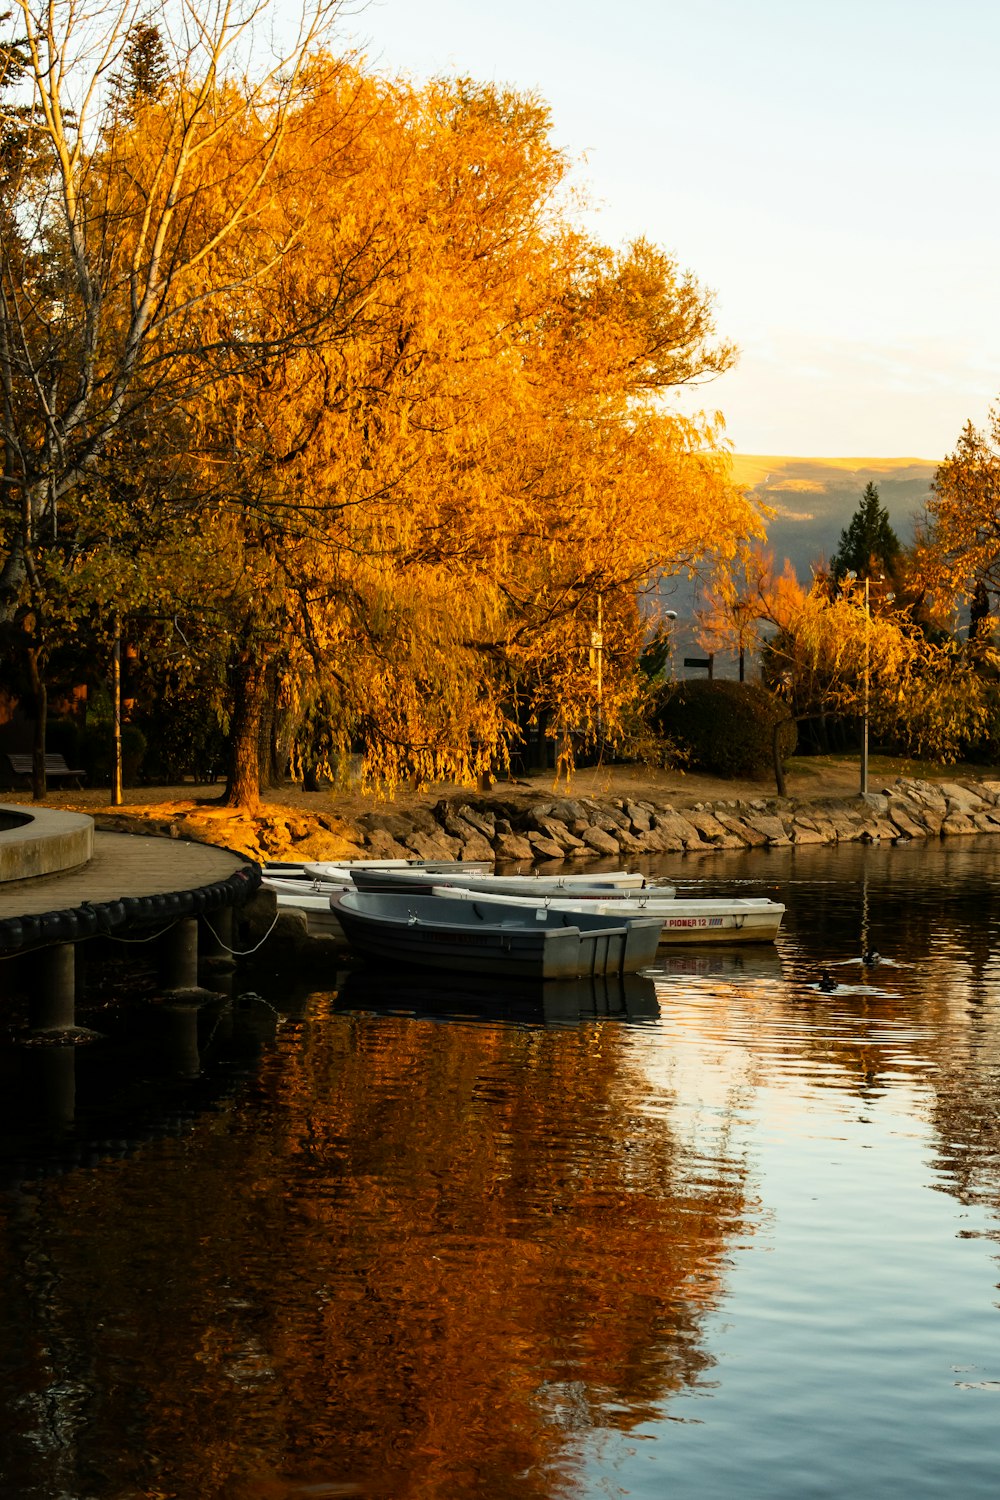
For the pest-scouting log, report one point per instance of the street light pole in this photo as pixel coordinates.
(597, 660)
(864, 715)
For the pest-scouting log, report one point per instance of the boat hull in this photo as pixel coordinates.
(486, 938)
(321, 919)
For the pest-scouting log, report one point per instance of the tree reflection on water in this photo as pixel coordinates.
(408, 1257)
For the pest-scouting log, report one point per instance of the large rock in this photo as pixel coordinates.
(804, 833)
(957, 824)
(771, 827)
(655, 842)
(290, 926)
(545, 848)
(382, 845)
(397, 825)
(933, 819)
(566, 810)
(484, 821)
(906, 818)
(628, 842)
(472, 844)
(665, 841)
(557, 833)
(751, 837)
(813, 823)
(601, 841)
(960, 799)
(847, 826)
(712, 830)
(256, 917)
(639, 817)
(675, 827)
(511, 847)
(321, 845)
(347, 829)
(609, 818)
(926, 793)
(433, 845)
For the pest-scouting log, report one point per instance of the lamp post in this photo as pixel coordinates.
(597, 660)
(852, 575)
(865, 691)
(864, 701)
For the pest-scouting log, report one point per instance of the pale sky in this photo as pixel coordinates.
(829, 170)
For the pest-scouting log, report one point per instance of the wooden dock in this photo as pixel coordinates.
(128, 884)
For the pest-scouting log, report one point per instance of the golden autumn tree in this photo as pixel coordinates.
(838, 651)
(92, 253)
(846, 654)
(400, 426)
(739, 601)
(469, 450)
(963, 513)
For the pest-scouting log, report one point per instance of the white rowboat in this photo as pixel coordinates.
(605, 883)
(739, 920)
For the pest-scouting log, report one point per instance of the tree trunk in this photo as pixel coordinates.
(249, 679)
(822, 735)
(12, 578)
(41, 701)
(270, 775)
(779, 770)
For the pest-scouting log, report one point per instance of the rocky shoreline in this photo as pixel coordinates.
(569, 828)
(541, 830)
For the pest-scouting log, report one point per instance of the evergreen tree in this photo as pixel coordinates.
(145, 70)
(868, 547)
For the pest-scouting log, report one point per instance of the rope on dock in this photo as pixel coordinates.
(241, 952)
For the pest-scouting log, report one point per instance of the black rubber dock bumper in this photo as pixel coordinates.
(126, 914)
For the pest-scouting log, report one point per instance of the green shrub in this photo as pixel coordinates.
(62, 737)
(183, 739)
(97, 753)
(726, 728)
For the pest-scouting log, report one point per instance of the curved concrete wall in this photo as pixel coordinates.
(42, 842)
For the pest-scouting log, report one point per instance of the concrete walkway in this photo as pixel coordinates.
(123, 864)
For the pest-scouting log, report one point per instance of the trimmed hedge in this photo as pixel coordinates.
(726, 728)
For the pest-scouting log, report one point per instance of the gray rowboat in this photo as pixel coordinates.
(439, 932)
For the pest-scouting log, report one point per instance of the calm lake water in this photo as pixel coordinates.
(713, 1233)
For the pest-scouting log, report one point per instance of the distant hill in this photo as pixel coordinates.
(813, 499)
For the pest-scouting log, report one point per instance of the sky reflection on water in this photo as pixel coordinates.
(714, 1232)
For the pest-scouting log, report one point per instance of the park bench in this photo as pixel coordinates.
(56, 769)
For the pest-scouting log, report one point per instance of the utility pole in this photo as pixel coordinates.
(864, 713)
(116, 699)
(597, 660)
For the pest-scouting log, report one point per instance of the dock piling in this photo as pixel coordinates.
(53, 1002)
(180, 955)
